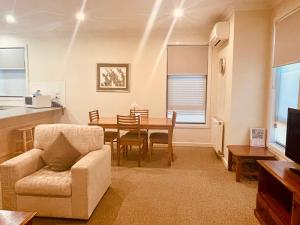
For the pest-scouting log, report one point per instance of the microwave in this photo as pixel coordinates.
(40, 101)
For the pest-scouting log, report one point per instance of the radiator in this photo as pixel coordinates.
(217, 135)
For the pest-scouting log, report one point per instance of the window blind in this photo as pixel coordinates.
(12, 72)
(187, 96)
(187, 59)
(12, 58)
(287, 42)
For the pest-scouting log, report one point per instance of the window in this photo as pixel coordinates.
(187, 96)
(187, 83)
(287, 96)
(12, 72)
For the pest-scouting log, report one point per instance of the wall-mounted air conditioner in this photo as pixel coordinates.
(219, 34)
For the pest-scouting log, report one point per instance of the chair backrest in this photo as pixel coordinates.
(84, 138)
(128, 123)
(174, 115)
(94, 115)
(144, 113)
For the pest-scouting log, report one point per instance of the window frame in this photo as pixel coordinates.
(208, 84)
(188, 124)
(275, 146)
(26, 68)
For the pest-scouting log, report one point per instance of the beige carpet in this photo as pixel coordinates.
(196, 190)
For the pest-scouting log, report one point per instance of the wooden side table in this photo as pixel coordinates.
(243, 153)
(16, 217)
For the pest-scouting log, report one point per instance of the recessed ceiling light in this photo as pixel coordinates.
(178, 12)
(80, 16)
(10, 18)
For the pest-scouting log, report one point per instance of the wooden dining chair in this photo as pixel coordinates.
(129, 124)
(109, 136)
(162, 138)
(144, 114)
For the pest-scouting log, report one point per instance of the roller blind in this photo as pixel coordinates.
(187, 59)
(12, 72)
(287, 40)
(187, 96)
(12, 58)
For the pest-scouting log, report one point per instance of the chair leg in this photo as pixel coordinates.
(112, 148)
(172, 155)
(151, 149)
(24, 141)
(118, 152)
(139, 158)
(125, 150)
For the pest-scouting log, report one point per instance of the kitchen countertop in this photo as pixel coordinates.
(9, 112)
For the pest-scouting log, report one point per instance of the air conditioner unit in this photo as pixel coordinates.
(219, 34)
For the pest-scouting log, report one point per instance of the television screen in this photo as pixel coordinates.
(292, 149)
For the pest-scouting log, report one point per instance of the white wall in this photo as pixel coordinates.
(48, 62)
(240, 96)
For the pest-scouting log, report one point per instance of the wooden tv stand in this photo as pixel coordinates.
(278, 197)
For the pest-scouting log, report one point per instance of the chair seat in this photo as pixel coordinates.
(110, 134)
(142, 132)
(131, 138)
(45, 182)
(159, 138)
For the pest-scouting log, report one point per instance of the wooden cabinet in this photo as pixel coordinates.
(278, 197)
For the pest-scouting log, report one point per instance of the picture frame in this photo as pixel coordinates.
(258, 137)
(112, 77)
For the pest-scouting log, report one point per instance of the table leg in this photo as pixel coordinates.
(238, 169)
(229, 161)
(170, 149)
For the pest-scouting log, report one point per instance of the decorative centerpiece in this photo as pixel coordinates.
(134, 106)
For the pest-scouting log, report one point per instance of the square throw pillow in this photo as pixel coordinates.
(60, 155)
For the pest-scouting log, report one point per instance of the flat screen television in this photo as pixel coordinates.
(292, 148)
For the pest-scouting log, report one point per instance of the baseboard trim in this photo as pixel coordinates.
(192, 144)
(225, 162)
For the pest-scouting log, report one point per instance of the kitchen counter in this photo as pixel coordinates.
(10, 112)
(12, 118)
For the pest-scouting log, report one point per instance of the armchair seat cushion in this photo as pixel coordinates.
(45, 182)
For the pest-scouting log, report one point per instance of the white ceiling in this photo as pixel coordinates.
(114, 15)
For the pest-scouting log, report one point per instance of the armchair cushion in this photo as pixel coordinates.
(61, 154)
(83, 138)
(45, 182)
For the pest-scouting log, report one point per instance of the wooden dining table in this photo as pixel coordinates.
(146, 123)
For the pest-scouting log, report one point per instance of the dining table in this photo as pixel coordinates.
(145, 123)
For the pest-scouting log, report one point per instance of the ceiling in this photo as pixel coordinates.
(44, 16)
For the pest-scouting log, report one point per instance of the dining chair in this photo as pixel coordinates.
(135, 138)
(162, 138)
(109, 136)
(144, 114)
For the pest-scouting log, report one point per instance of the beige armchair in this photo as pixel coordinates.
(28, 186)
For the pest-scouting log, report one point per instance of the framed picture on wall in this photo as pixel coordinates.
(112, 77)
(258, 137)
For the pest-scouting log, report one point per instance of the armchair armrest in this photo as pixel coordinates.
(13, 170)
(91, 176)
